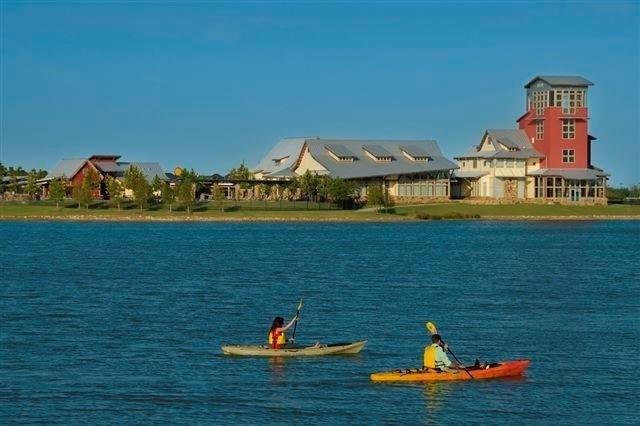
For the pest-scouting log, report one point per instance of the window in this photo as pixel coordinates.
(475, 163)
(509, 163)
(568, 156)
(464, 164)
(499, 163)
(568, 128)
(539, 129)
(570, 100)
(540, 101)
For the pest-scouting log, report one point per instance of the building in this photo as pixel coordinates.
(75, 169)
(498, 167)
(547, 159)
(410, 170)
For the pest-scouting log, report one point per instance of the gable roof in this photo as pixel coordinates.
(67, 167)
(362, 165)
(560, 80)
(287, 150)
(516, 141)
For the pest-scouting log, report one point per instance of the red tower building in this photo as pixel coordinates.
(556, 122)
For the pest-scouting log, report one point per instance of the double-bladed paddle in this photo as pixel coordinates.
(433, 330)
(293, 337)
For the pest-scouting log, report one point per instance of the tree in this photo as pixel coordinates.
(82, 194)
(167, 195)
(57, 191)
(115, 190)
(309, 184)
(185, 190)
(341, 191)
(242, 175)
(136, 181)
(92, 181)
(378, 195)
(156, 188)
(218, 196)
(292, 188)
(324, 186)
(375, 195)
(31, 187)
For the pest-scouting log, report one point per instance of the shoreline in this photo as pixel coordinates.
(382, 219)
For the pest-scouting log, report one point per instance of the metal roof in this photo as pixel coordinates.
(67, 168)
(107, 166)
(577, 174)
(149, 170)
(286, 150)
(362, 166)
(516, 140)
(377, 151)
(368, 167)
(340, 151)
(561, 80)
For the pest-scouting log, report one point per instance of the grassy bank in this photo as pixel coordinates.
(313, 212)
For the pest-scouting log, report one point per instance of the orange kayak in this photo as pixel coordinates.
(492, 371)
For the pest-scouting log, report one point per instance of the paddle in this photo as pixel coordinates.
(433, 330)
(293, 336)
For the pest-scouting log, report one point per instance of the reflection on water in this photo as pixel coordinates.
(435, 395)
(276, 368)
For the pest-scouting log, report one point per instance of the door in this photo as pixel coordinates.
(575, 194)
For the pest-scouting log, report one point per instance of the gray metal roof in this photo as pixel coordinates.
(377, 151)
(367, 167)
(363, 165)
(107, 166)
(515, 139)
(561, 80)
(577, 174)
(149, 170)
(340, 150)
(286, 150)
(67, 168)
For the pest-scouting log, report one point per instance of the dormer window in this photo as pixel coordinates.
(415, 153)
(377, 153)
(278, 161)
(340, 153)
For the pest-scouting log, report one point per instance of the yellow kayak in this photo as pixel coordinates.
(265, 350)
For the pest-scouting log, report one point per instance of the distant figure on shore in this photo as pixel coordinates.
(277, 338)
(435, 356)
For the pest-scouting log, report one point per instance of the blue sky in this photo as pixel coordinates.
(207, 85)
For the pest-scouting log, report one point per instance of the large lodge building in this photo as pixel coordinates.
(547, 159)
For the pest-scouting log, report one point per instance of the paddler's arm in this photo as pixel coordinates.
(288, 326)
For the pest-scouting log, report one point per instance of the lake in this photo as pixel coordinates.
(123, 322)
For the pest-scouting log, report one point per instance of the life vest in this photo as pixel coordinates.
(430, 356)
(276, 339)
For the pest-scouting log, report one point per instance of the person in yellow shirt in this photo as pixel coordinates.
(435, 356)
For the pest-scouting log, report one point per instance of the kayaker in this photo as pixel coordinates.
(435, 356)
(276, 338)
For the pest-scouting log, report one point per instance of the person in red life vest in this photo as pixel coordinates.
(277, 338)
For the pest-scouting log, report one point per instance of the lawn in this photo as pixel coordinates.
(312, 211)
(519, 210)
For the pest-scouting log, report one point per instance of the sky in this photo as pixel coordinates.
(208, 85)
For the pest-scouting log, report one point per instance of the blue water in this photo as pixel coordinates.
(123, 322)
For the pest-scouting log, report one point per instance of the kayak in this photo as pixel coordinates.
(265, 350)
(492, 371)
